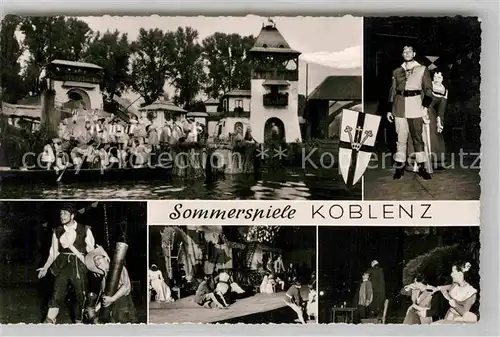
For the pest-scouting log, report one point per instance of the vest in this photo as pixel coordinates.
(79, 244)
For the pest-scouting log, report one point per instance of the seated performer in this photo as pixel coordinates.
(461, 296)
(421, 295)
(53, 155)
(120, 306)
(204, 295)
(266, 287)
(294, 300)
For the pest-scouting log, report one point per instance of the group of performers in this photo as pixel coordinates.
(417, 105)
(97, 141)
(219, 291)
(73, 253)
(461, 296)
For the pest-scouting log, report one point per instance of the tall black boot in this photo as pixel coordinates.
(400, 170)
(423, 172)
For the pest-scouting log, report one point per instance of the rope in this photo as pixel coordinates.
(106, 228)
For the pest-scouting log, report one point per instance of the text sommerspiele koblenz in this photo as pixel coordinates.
(317, 212)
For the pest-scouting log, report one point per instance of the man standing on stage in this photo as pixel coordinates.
(70, 242)
(409, 98)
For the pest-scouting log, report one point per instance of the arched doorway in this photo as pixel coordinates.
(79, 95)
(272, 124)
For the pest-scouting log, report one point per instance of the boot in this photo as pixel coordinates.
(400, 171)
(423, 172)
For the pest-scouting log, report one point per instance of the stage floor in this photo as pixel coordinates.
(453, 184)
(186, 311)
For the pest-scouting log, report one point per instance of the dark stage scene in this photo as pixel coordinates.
(81, 262)
(399, 275)
(429, 135)
(232, 274)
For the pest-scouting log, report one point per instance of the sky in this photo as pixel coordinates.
(333, 43)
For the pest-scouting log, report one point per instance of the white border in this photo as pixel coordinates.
(488, 326)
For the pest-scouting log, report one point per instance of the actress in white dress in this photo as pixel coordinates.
(157, 283)
(460, 295)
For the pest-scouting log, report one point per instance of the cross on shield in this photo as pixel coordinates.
(357, 139)
(432, 60)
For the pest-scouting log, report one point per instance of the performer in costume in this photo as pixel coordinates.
(421, 295)
(377, 279)
(460, 295)
(409, 97)
(294, 300)
(157, 283)
(70, 242)
(121, 306)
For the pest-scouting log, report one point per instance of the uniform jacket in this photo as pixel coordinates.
(406, 82)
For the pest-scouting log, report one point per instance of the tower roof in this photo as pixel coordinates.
(270, 40)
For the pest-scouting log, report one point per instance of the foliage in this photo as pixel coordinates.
(10, 52)
(186, 74)
(152, 56)
(436, 264)
(226, 57)
(51, 37)
(262, 233)
(112, 52)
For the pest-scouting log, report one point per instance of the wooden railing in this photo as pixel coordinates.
(280, 100)
(274, 74)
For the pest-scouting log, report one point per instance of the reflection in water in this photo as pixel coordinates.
(232, 187)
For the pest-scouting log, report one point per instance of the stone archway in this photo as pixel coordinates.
(76, 94)
(268, 128)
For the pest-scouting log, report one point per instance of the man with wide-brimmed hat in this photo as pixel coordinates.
(70, 242)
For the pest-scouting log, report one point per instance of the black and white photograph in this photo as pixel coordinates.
(232, 274)
(422, 76)
(399, 275)
(73, 263)
(177, 107)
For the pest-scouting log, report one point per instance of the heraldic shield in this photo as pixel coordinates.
(357, 139)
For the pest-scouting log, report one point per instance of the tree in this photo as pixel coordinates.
(51, 37)
(152, 57)
(228, 63)
(112, 52)
(186, 74)
(262, 233)
(10, 51)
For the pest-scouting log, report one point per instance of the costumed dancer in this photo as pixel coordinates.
(70, 242)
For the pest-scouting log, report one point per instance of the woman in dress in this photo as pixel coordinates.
(157, 283)
(461, 296)
(435, 111)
